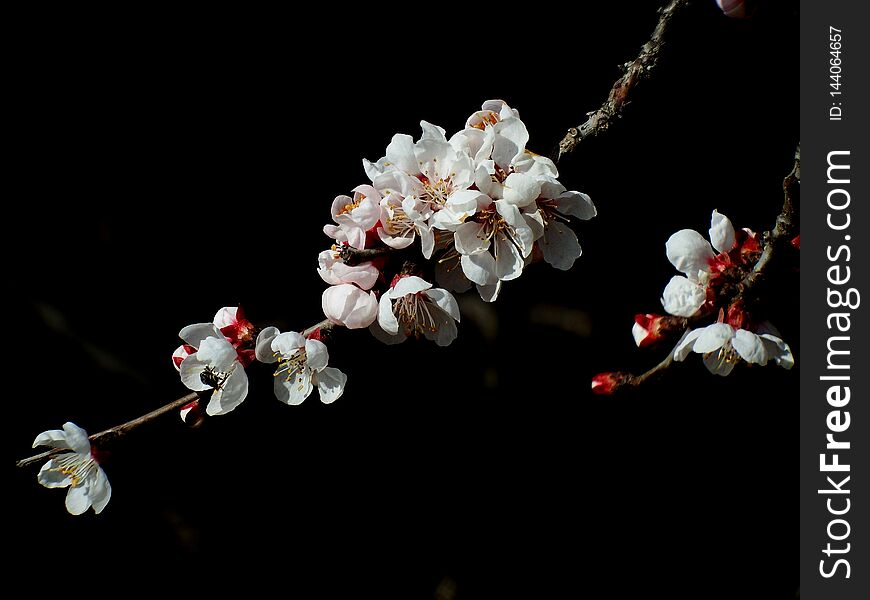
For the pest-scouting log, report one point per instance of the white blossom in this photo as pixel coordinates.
(215, 365)
(302, 366)
(723, 346)
(412, 307)
(77, 469)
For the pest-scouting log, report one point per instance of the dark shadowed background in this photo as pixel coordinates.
(173, 164)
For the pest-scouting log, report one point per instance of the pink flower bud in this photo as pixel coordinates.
(608, 383)
(647, 329)
(192, 414)
(737, 9)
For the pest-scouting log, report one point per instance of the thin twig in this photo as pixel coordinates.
(782, 232)
(635, 72)
(119, 430)
(113, 433)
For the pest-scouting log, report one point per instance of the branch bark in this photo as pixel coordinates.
(635, 72)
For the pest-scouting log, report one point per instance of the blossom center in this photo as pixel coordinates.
(435, 192)
(726, 355)
(495, 227)
(351, 205)
(413, 313)
(214, 378)
(75, 466)
(291, 366)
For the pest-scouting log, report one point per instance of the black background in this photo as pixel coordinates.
(172, 164)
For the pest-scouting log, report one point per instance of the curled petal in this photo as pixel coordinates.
(330, 384)
(560, 246)
(230, 394)
(722, 233)
(288, 343)
(409, 285)
(713, 337)
(682, 297)
(777, 350)
(196, 333)
(317, 355)
(445, 301)
(350, 306)
(576, 204)
(264, 351)
(684, 347)
(689, 252)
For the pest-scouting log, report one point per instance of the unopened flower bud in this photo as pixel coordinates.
(737, 9)
(192, 414)
(608, 383)
(647, 329)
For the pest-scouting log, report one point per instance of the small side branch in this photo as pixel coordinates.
(118, 430)
(635, 71)
(784, 229)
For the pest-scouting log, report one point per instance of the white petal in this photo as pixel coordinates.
(295, 391)
(384, 336)
(288, 343)
(684, 347)
(77, 500)
(400, 152)
(101, 491)
(449, 275)
(689, 252)
(509, 261)
(721, 232)
(51, 477)
(778, 351)
(520, 189)
(510, 141)
(750, 347)
(535, 222)
(489, 293)
(576, 204)
(264, 351)
(77, 438)
(409, 285)
(683, 298)
(713, 337)
(193, 335)
(55, 438)
(445, 301)
(386, 319)
(217, 352)
(469, 238)
(465, 202)
(717, 366)
(330, 384)
(560, 246)
(230, 394)
(445, 328)
(191, 370)
(433, 132)
(427, 242)
(479, 268)
(317, 355)
(226, 316)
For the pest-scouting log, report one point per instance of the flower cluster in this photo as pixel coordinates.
(482, 207)
(711, 272)
(710, 286)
